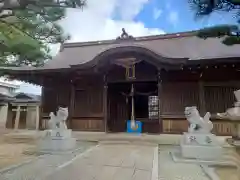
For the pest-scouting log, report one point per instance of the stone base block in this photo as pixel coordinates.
(52, 144)
(58, 133)
(236, 143)
(200, 146)
(200, 139)
(201, 152)
(222, 161)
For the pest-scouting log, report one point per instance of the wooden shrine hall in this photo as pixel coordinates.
(151, 79)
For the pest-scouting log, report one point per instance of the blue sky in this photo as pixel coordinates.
(177, 16)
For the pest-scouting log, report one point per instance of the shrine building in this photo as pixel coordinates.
(156, 77)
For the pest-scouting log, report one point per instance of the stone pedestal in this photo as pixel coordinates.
(200, 146)
(57, 140)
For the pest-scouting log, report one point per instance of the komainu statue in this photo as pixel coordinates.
(234, 112)
(58, 121)
(197, 123)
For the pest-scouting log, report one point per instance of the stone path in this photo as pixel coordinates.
(110, 162)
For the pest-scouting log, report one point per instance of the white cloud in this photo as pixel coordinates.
(156, 13)
(173, 17)
(96, 22)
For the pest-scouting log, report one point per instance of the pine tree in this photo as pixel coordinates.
(206, 7)
(27, 30)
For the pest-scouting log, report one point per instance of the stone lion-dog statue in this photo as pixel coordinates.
(197, 123)
(58, 121)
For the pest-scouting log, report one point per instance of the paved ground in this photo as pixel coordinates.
(110, 162)
(44, 165)
(107, 162)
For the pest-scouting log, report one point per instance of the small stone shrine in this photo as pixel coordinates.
(199, 142)
(58, 137)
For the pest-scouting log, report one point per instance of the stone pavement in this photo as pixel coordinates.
(133, 160)
(110, 162)
(42, 166)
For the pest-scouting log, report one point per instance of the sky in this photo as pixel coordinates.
(101, 20)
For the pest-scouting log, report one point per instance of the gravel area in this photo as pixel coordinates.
(12, 153)
(43, 166)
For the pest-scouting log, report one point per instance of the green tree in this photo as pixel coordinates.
(22, 4)
(26, 31)
(206, 7)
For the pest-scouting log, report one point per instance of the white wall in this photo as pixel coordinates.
(3, 115)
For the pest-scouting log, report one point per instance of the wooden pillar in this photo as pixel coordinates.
(72, 104)
(159, 101)
(105, 109)
(37, 117)
(202, 103)
(17, 118)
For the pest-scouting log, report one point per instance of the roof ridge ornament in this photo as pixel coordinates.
(124, 35)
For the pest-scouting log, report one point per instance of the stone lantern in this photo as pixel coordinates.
(233, 114)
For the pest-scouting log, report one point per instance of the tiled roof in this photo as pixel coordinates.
(170, 46)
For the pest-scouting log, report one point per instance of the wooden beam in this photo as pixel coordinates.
(42, 107)
(202, 102)
(105, 109)
(72, 103)
(225, 84)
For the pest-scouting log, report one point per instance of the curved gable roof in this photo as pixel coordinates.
(125, 48)
(169, 46)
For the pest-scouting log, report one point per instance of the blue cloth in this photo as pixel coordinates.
(137, 129)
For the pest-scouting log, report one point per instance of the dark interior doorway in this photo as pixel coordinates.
(119, 105)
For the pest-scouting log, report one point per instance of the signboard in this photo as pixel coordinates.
(137, 129)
